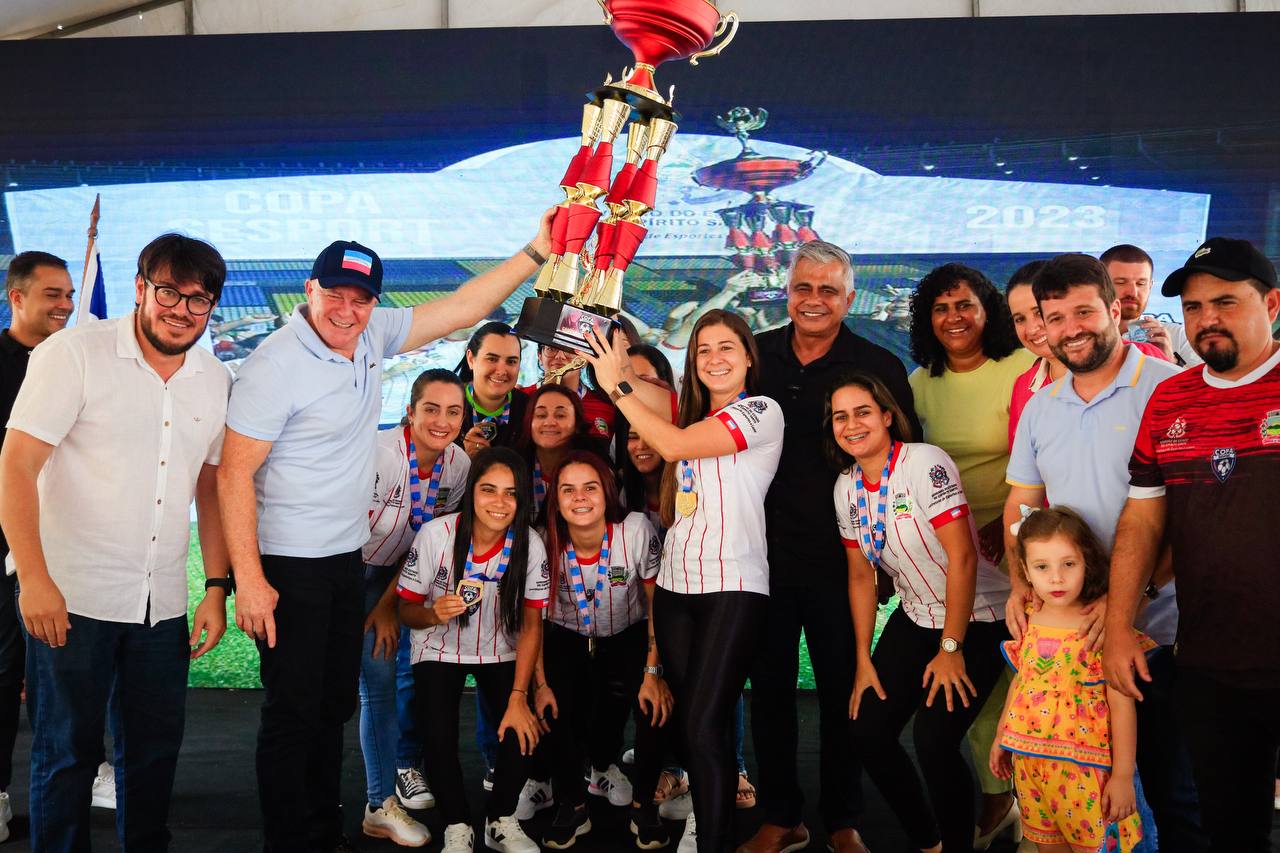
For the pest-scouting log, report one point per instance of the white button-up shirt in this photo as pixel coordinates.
(115, 495)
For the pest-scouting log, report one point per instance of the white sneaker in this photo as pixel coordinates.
(506, 835)
(612, 784)
(458, 838)
(6, 815)
(104, 787)
(689, 841)
(534, 797)
(392, 822)
(629, 758)
(1010, 825)
(676, 808)
(411, 788)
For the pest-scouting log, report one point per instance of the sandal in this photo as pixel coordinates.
(746, 793)
(670, 786)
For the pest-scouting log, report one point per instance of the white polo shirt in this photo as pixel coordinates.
(390, 533)
(634, 554)
(116, 493)
(428, 574)
(721, 546)
(924, 495)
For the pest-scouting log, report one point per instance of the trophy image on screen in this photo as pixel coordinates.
(580, 287)
(756, 247)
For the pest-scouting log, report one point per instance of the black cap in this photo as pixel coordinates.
(344, 262)
(1232, 260)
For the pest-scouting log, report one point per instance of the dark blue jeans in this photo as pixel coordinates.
(67, 692)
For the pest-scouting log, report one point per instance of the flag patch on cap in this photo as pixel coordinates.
(358, 261)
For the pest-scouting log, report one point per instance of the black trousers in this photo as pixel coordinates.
(13, 656)
(311, 679)
(1164, 763)
(1233, 735)
(437, 690)
(707, 643)
(823, 614)
(900, 658)
(595, 694)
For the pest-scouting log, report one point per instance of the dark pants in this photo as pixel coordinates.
(707, 643)
(823, 614)
(900, 658)
(1164, 764)
(67, 691)
(438, 689)
(1233, 735)
(13, 667)
(311, 679)
(594, 696)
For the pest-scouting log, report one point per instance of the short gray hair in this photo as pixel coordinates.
(822, 252)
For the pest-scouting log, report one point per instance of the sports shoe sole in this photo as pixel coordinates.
(565, 845)
(375, 831)
(497, 845)
(419, 804)
(652, 845)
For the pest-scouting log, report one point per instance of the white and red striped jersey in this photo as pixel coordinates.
(924, 494)
(389, 532)
(721, 546)
(428, 575)
(634, 554)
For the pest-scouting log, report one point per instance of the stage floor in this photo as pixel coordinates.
(215, 807)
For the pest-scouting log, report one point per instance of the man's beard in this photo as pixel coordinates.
(1097, 356)
(162, 346)
(1219, 358)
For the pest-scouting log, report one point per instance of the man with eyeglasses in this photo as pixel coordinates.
(295, 484)
(116, 429)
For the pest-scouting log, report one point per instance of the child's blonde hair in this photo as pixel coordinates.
(1045, 524)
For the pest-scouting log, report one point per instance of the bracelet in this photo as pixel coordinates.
(518, 690)
(533, 253)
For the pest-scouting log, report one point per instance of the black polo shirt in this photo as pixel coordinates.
(804, 543)
(13, 369)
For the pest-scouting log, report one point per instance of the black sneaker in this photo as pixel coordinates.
(567, 826)
(649, 830)
(344, 845)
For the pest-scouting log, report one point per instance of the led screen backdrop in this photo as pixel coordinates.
(912, 143)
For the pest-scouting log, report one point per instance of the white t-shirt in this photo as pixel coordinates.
(721, 546)
(634, 554)
(128, 447)
(389, 532)
(427, 575)
(924, 494)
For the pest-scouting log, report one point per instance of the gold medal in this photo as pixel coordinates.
(686, 503)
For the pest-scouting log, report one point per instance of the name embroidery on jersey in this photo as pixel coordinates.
(1269, 429)
(1223, 463)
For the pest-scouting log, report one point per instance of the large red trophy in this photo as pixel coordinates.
(579, 290)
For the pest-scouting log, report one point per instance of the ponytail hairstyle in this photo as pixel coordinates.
(511, 589)
(695, 399)
(558, 528)
(1042, 524)
(493, 327)
(429, 377)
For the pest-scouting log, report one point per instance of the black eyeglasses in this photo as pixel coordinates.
(197, 304)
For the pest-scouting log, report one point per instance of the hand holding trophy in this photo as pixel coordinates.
(571, 297)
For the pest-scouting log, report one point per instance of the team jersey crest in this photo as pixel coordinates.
(1269, 429)
(1223, 463)
(938, 476)
(1178, 428)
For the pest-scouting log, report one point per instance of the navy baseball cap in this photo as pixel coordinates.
(1225, 258)
(344, 262)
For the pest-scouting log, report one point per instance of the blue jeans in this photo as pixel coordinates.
(385, 700)
(67, 695)
(486, 733)
(739, 732)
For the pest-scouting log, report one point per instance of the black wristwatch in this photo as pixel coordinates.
(223, 584)
(1152, 591)
(624, 388)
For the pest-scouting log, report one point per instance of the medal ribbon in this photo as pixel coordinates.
(686, 476)
(873, 536)
(420, 514)
(478, 414)
(472, 573)
(539, 486)
(579, 590)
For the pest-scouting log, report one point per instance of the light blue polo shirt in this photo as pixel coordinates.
(320, 410)
(1079, 453)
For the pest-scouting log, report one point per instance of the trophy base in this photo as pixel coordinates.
(559, 324)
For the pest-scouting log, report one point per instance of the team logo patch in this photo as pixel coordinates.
(757, 406)
(1202, 251)
(441, 580)
(1269, 429)
(938, 476)
(601, 426)
(655, 547)
(901, 505)
(471, 590)
(617, 576)
(1178, 428)
(410, 569)
(1223, 463)
(853, 516)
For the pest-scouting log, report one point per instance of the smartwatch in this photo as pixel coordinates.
(950, 646)
(624, 388)
(223, 584)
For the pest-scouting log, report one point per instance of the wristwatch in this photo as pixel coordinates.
(223, 584)
(1152, 592)
(950, 646)
(624, 388)
(653, 670)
